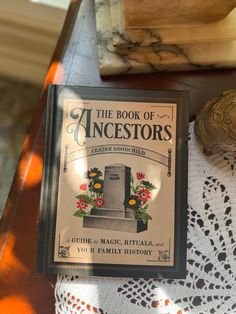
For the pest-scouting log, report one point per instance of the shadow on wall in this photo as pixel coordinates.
(29, 32)
(17, 105)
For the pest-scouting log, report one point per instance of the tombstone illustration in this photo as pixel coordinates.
(113, 215)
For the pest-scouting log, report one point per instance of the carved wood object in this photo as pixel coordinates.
(215, 125)
(164, 13)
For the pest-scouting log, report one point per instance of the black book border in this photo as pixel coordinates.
(53, 120)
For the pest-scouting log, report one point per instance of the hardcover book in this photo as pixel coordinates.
(114, 189)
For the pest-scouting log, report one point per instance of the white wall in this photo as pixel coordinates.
(28, 35)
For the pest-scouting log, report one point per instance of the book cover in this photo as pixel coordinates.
(114, 190)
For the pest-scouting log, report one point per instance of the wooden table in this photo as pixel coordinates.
(74, 62)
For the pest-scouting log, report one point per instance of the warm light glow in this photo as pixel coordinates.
(80, 165)
(55, 73)
(10, 264)
(164, 301)
(157, 179)
(14, 303)
(30, 175)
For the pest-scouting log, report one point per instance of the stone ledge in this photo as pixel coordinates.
(114, 223)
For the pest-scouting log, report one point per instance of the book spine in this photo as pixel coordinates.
(181, 185)
(44, 197)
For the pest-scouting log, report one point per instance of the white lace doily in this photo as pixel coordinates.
(210, 285)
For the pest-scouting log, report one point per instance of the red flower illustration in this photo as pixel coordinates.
(143, 194)
(83, 186)
(140, 175)
(99, 201)
(82, 204)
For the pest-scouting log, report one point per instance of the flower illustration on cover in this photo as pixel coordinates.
(93, 173)
(83, 186)
(91, 192)
(96, 186)
(82, 204)
(100, 201)
(132, 202)
(91, 195)
(141, 194)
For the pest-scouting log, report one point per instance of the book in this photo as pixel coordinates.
(114, 188)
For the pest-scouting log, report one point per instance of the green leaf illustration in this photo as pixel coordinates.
(92, 202)
(83, 196)
(145, 217)
(137, 188)
(132, 179)
(145, 207)
(148, 185)
(80, 213)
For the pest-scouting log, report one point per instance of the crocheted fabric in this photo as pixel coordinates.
(210, 285)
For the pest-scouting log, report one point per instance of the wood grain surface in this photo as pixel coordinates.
(164, 13)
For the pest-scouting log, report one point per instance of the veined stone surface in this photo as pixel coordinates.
(158, 57)
(224, 30)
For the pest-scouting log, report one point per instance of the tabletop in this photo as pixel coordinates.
(74, 62)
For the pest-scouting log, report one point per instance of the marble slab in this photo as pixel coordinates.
(117, 23)
(158, 57)
(224, 30)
